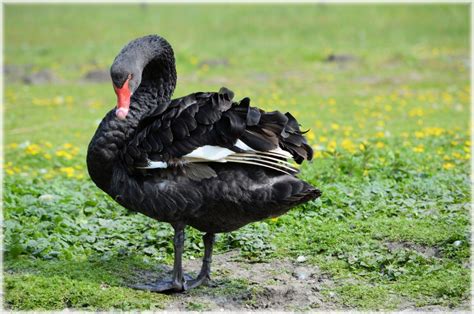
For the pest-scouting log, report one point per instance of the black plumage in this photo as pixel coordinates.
(210, 195)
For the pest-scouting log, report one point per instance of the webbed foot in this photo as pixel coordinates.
(193, 283)
(165, 286)
(162, 286)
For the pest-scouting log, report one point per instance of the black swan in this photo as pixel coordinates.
(201, 160)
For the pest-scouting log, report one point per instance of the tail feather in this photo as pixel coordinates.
(278, 130)
(266, 131)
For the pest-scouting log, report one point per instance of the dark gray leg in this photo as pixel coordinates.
(205, 273)
(178, 243)
(177, 281)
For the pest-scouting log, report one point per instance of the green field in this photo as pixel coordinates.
(384, 90)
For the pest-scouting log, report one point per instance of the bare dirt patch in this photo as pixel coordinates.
(426, 251)
(26, 74)
(96, 76)
(341, 58)
(240, 285)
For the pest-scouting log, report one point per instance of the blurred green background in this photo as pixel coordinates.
(384, 90)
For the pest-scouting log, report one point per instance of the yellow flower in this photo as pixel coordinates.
(58, 100)
(457, 155)
(69, 99)
(434, 131)
(467, 143)
(332, 146)
(69, 171)
(310, 135)
(317, 154)
(380, 145)
(9, 172)
(379, 134)
(40, 101)
(348, 145)
(323, 139)
(448, 165)
(32, 149)
(416, 112)
(419, 149)
(421, 97)
(447, 98)
(62, 153)
(335, 126)
(68, 145)
(419, 134)
(13, 145)
(47, 156)
(96, 104)
(331, 101)
(193, 60)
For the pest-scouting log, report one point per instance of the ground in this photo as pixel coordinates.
(383, 90)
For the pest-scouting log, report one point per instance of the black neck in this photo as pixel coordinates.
(153, 59)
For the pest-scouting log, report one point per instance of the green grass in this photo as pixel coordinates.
(92, 285)
(390, 128)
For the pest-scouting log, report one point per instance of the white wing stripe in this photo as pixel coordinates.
(209, 152)
(262, 161)
(260, 164)
(277, 151)
(155, 165)
(265, 157)
(274, 159)
(243, 146)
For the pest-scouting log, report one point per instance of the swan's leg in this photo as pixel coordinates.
(178, 242)
(177, 281)
(205, 273)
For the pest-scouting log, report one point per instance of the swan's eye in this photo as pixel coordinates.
(119, 78)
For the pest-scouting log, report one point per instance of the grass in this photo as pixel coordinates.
(389, 126)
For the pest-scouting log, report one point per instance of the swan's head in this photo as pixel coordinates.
(130, 67)
(125, 82)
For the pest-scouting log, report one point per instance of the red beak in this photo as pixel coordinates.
(123, 99)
